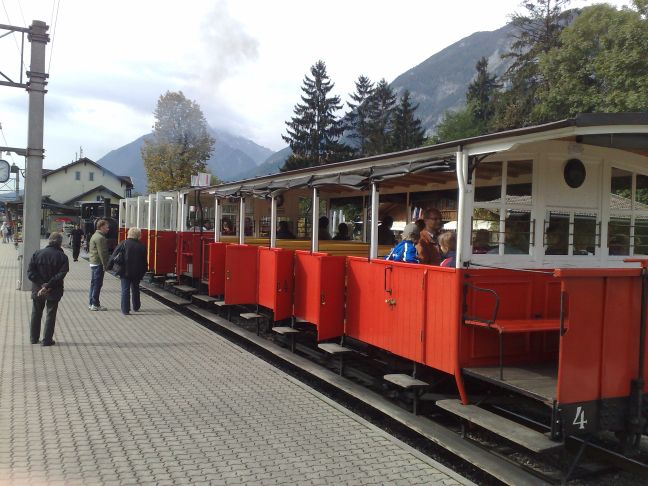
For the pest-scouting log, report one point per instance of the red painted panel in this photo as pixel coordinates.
(150, 256)
(385, 305)
(121, 234)
(241, 274)
(276, 281)
(319, 292)
(144, 237)
(307, 286)
(216, 281)
(331, 297)
(165, 249)
(599, 352)
(442, 318)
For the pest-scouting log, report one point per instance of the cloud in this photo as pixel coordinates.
(225, 45)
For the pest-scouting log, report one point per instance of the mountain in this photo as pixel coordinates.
(232, 155)
(440, 82)
(437, 84)
(270, 166)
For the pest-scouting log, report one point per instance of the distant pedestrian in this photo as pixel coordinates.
(131, 270)
(98, 258)
(4, 231)
(9, 233)
(47, 269)
(76, 235)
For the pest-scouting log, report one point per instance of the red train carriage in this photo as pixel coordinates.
(544, 300)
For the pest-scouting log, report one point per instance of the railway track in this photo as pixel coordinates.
(475, 453)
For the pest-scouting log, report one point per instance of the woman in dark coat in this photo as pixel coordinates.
(132, 270)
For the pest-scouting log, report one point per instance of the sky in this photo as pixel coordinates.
(242, 61)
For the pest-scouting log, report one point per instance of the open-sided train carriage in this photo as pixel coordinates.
(545, 300)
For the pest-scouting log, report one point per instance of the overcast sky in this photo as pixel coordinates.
(242, 61)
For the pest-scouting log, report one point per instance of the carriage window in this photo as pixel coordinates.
(517, 235)
(628, 225)
(488, 182)
(485, 230)
(518, 182)
(502, 216)
(571, 233)
(585, 234)
(229, 219)
(557, 234)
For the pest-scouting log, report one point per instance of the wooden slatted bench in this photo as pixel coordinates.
(508, 325)
(513, 326)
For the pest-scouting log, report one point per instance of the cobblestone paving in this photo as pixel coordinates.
(153, 398)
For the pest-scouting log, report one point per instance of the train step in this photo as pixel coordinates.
(405, 381)
(185, 289)
(287, 331)
(253, 315)
(204, 298)
(336, 350)
(409, 383)
(512, 431)
(333, 348)
(170, 296)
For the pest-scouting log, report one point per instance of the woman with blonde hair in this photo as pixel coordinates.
(129, 262)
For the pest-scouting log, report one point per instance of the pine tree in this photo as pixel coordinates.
(381, 110)
(180, 145)
(314, 131)
(537, 33)
(481, 92)
(357, 118)
(407, 131)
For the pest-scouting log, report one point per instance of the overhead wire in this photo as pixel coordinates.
(54, 23)
(21, 14)
(6, 144)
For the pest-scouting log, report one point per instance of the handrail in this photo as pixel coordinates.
(491, 321)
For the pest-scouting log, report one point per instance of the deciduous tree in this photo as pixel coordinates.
(180, 145)
(601, 65)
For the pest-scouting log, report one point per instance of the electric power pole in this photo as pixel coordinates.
(32, 201)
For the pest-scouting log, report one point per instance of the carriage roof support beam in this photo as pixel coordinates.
(375, 203)
(273, 222)
(315, 223)
(218, 210)
(242, 221)
(466, 198)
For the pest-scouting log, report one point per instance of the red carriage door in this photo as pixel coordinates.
(331, 298)
(165, 247)
(216, 279)
(285, 260)
(241, 272)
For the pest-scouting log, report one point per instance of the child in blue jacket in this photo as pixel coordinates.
(405, 251)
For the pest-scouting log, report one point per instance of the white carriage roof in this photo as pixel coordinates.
(595, 128)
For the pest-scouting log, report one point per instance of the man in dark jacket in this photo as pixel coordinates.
(46, 270)
(132, 270)
(76, 235)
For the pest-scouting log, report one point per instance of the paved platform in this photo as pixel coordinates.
(154, 398)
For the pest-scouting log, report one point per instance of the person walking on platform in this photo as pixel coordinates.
(98, 258)
(47, 269)
(131, 270)
(76, 235)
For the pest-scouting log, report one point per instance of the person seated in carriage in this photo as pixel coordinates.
(405, 251)
(448, 244)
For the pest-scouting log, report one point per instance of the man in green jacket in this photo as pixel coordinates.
(98, 253)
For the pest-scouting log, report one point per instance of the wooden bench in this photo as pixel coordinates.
(508, 325)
